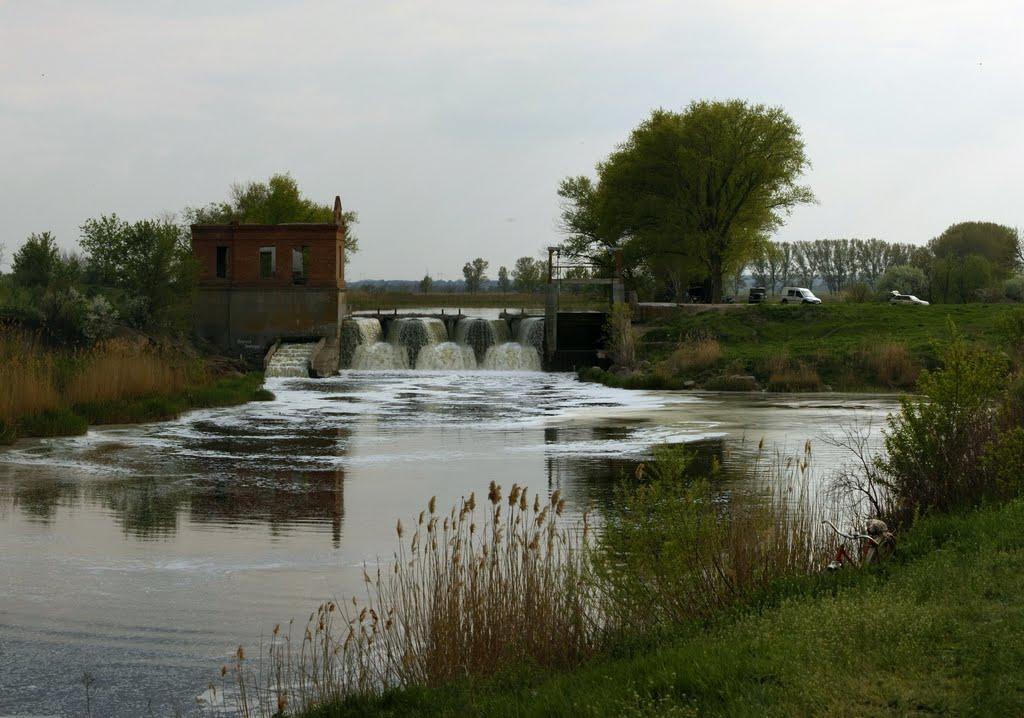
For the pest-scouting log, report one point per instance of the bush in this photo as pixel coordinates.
(620, 338)
(1013, 288)
(903, 278)
(937, 443)
(858, 293)
(674, 550)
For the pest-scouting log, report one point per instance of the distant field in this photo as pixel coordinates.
(362, 301)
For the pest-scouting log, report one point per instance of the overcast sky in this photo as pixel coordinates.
(448, 124)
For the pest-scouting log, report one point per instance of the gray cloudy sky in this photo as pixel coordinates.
(448, 124)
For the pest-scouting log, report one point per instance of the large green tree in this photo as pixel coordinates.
(276, 201)
(998, 244)
(475, 274)
(697, 191)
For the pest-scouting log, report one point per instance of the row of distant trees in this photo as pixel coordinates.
(527, 275)
(970, 261)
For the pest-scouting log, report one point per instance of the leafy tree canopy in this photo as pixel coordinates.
(150, 261)
(276, 201)
(996, 243)
(36, 261)
(475, 273)
(696, 191)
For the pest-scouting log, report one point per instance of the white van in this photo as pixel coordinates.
(798, 295)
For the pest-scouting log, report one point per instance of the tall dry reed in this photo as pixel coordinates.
(26, 376)
(35, 378)
(478, 590)
(467, 593)
(121, 369)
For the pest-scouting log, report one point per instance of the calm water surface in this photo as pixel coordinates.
(145, 555)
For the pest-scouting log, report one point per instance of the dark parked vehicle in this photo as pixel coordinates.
(757, 295)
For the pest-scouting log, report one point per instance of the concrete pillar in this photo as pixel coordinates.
(551, 321)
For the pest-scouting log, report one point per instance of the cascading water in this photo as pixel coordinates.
(290, 360)
(512, 356)
(446, 356)
(380, 356)
(423, 343)
(530, 333)
(481, 334)
(356, 332)
(414, 333)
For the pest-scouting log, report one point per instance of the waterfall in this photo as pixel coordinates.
(291, 360)
(380, 356)
(530, 333)
(481, 334)
(356, 332)
(447, 355)
(512, 356)
(414, 333)
(422, 343)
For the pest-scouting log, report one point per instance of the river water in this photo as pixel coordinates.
(144, 555)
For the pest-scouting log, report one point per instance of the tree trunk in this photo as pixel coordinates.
(715, 265)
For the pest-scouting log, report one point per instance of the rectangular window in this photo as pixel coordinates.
(222, 262)
(267, 263)
(300, 265)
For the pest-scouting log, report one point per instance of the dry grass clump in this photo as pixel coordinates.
(787, 375)
(891, 364)
(120, 369)
(26, 377)
(469, 592)
(691, 357)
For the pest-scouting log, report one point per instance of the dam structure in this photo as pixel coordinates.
(275, 295)
(439, 342)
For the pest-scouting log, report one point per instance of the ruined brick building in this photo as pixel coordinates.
(259, 283)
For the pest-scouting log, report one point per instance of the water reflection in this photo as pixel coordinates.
(146, 554)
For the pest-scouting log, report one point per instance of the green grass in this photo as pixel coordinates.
(939, 630)
(226, 391)
(832, 338)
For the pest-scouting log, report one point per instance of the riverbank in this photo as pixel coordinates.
(940, 629)
(834, 346)
(76, 419)
(52, 392)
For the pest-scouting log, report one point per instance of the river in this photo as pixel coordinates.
(144, 555)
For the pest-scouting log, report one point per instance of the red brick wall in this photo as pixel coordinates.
(326, 253)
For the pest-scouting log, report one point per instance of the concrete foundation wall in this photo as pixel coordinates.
(228, 316)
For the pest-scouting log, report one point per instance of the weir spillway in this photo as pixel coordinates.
(396, 342)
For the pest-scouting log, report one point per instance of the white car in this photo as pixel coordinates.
(798, 295)
(897, 298)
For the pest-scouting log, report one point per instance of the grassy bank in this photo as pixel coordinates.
(48, 392)
(843, 347)
(939, 630)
